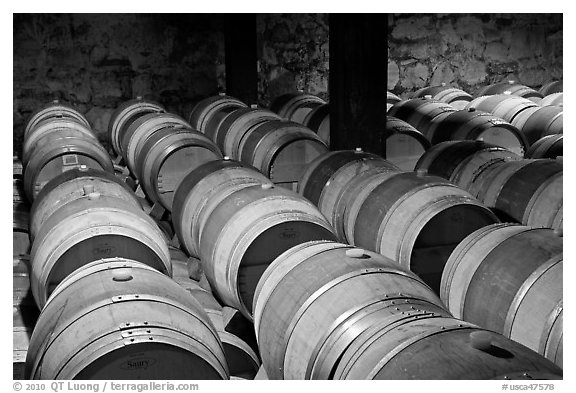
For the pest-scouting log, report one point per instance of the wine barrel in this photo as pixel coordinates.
(326, 310)
(167, 156)
(74, 184)
(328, 175)
(403, 144)
(48, 130)
(518, 190)
(330, 285)
(547, 120)
(295, 106)
(133, 323)
(518, 268)
(54, 110)
(236, 124)
(505, 106)
(414, 219)
(556, 99)
(207, 113)
(141, 129)
(551, 342)
(450, 95)
(421, 113)
(508, 87)
(344, 188)
(318, 120)
(549, 146)
(247, 231)
(391, 99)
(423, 349)
(20, 231)
(281, 150)
(477, 125)
(25, 313)
(50, 160)
(551, 88)
(201, 191)
(125, 115)
(90, 228)
(460, 161)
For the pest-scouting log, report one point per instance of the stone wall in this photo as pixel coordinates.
(97, 61)
(293, 53)
(472, 50)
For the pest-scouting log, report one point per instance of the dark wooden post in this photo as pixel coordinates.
(241, 57)
(358, 81)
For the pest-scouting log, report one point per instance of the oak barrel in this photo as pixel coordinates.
(517, 190)
(551, 342)
(459, 161)
(328, 175)
(71, 185)
(206, 115)
(89, 228)
(555, 99)
(40, 135)
(471, 124)
(139, 131)
(247, 231)
(54, 110)
(235, 125)
(167, 156)
(505, 106)
(509, 87)
(133, 323)
(421, 113)
(456, 97)
(62, 154)
(318, 120)
(313, 292)
(124, 115)
(506, 278)
(295, 106)
(403, 144)
(201, 191)
(547, 120)
(281, 150)
(414, 219)
(549, 146)
(551, 87)
(391, 99)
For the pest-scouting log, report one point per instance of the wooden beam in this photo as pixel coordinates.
(358, 81)
(241, 57)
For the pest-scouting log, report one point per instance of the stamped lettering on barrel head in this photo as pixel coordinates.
(104, 249)
(138, 364)
(289, 234)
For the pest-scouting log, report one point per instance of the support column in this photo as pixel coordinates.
(241, 57)
(358, 81)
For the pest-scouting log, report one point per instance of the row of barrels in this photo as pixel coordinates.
(85, 217)
(506, 114)
(527, 191)
(278, 148)
(238, 235)
(231, 204)
(157, 147)
(434, 228)
(86, 223)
